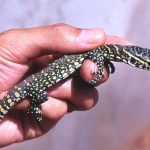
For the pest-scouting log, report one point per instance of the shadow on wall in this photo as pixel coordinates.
(141, 141)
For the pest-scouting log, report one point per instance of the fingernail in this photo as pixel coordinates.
(91, 36)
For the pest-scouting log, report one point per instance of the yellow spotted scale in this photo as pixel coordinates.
(34, 87)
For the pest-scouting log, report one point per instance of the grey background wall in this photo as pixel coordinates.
(123, 112)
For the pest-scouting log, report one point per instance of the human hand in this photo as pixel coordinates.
(25, 51)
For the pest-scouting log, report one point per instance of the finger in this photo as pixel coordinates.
(87, 69)
(62, 38)
(54, 108)
(70, 94)
(110, 39)
(77, 93)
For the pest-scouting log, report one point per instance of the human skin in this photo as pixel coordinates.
(24, 52)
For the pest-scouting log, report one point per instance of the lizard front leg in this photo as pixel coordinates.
(37, 96)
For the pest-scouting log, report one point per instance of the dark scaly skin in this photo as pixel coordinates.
(34, 86)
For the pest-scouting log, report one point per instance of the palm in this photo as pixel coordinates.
(18, 124)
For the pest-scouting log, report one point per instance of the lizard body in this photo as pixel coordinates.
(34, 87)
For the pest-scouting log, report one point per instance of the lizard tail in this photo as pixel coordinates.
(8, 102)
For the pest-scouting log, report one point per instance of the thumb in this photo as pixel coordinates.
(59, 38)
